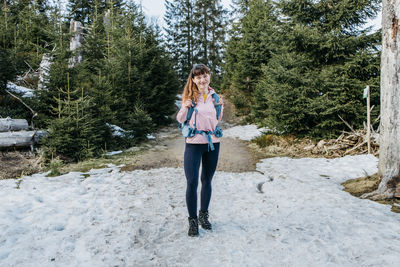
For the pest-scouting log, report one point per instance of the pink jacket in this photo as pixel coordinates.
(206, 118)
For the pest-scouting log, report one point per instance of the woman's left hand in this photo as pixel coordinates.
(221, 102)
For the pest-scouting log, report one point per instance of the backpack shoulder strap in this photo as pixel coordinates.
(190, 111)
(216, 105)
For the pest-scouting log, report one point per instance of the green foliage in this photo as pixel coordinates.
(29, 32)
(125, 79)
(313, 69)
(179, 17)
(196, 34)
(76, 132)
(82, 10)
(7, 69)
(250, 46)
(140, 122)
(54, 166)
(141, 71)
(265, 140)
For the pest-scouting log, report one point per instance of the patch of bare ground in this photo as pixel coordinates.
(14, 164)
(270, 145)
(359, 186)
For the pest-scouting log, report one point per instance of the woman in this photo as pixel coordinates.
(198, 91)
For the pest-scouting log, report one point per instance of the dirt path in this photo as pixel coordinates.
(169, 148)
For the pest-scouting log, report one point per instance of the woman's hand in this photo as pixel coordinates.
(187, 103)
(221, 102)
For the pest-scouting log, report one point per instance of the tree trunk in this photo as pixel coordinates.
(16, 139)
(13, 125)
(389, 151)
(44, 70)
(76, 29)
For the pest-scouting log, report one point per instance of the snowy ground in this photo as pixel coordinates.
(246, 132)
(292, 212)
(138, 218)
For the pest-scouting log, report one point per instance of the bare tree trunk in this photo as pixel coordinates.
(389, 151)
(44, 70)
(76, 29)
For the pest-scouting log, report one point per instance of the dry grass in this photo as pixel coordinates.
(14, 164)
(358, 187)
(270, 145)
(102, 162)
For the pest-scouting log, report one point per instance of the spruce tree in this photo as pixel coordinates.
(196, 34)
(144, 73)
(209, 28)
(74, 132)
(31, 32)
(250, 46)
(323, 61)
(7, 66)
(82, 10)
(179, 17)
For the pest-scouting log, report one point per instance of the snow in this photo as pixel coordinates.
(178, 101)
(138, 218)
(111, 153)
(25, 92)
(246, 132)
(118, 131)
(150, 136)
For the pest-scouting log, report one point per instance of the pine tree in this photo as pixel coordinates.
(250, 46)
(31, 32)
(24, 36)
(7, 67)
(322, 63)
(209, 28)
(196, 34)
(82, 10)
(144, 73)
(74, 133)
(179, 17)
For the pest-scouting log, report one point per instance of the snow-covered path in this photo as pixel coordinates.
(139, 218)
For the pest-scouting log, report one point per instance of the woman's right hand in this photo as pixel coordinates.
(187, 103)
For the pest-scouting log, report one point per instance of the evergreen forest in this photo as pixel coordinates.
(294, 66)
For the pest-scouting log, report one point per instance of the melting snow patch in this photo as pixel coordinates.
(25, 92)
(139, 218)
(246, 132)
(111, 153)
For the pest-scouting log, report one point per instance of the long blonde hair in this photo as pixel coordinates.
(190, 91)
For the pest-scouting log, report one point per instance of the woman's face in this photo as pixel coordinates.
(202, 81)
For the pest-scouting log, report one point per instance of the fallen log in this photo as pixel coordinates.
(16, 139)
(13, 125)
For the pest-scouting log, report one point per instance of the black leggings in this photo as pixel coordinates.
(209, 160)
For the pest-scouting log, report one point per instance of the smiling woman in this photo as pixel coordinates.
(202, 145)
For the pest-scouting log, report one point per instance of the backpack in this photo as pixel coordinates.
(188, 131)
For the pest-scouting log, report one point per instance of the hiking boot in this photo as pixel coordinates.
(193, 227)
(203, 220)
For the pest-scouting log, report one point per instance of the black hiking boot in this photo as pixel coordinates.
(203, 220)
(193, 227)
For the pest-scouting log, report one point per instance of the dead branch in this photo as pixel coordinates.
(34, 113)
